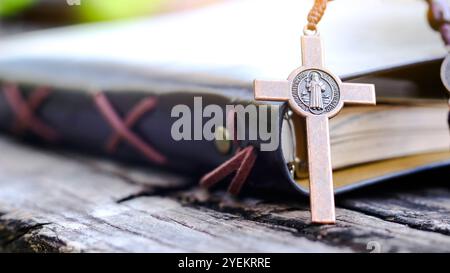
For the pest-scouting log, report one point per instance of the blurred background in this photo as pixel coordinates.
(20, 15)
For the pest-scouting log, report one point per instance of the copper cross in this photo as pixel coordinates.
(315, 93)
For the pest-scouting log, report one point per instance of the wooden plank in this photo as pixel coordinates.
(64, 203)
(359, 231)
(423, 209)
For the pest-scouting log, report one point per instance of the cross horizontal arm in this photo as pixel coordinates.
(358, 93)
(272, 90)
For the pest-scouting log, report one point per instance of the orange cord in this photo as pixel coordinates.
(315, 14)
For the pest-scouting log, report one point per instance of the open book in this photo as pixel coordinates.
(217, 51)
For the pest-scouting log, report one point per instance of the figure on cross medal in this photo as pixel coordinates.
(315, 87)
(315, 91)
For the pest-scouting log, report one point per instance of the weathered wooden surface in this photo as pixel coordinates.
(61, 202)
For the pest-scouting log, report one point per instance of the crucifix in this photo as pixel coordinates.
(315, 93)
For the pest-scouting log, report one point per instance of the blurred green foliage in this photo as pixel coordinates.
(89, 10)
(11, 7)
(99, 10)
